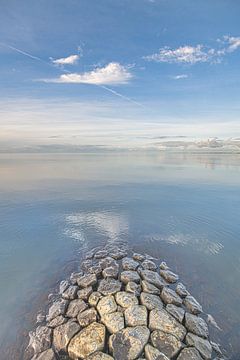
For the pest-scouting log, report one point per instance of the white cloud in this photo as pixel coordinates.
(183, 54)
(180, 76)
(70, 60)
(234, 43)
(111, 74)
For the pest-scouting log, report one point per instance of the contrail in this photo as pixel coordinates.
(67, 71)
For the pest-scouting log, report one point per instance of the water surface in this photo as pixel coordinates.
(181, 208)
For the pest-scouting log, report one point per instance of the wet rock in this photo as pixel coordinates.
(169, 296)
(196, 325)
(45, 355)
(95, 269)
(57, 308)
(107, 262)
(129, 343)
(153, 278)
(99, 356)
(118, 254)
(150, 288)
(129, 275)
(109, 286)
(106, 305)
(181, 290)
(168, 344)
(192, 305)
(63, 286)
(57, 321)
(74, 276)
(189, 354)
(151, 301)
(136, 315)
(202, 345)
(151, 353)
(162, 320)
(133, 288)
(169, 276)
(85, 265)
(87, 341)
(75, 307)
(87, 280)
(87, 317)
(41, 339)
(129, 264)
(101, 254)
(40, 318)
(149, 265)
(163, 266)
(126, 299)
(111, 271)
(114, 321)
(94, 298)
(70, 293)
(176, 312)
(138, 257)
(85, 293)
(216, 348)
(63, 334)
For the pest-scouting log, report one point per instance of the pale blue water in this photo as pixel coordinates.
(184, 209)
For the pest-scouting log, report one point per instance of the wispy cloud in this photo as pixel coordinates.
(200, 53)
(111, 74)
(70, 60)
(179, 77)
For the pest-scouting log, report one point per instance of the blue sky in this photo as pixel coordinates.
(87, 72)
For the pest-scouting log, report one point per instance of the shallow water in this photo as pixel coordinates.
(181, 208)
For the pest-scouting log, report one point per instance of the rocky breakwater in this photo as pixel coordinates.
(123, 307)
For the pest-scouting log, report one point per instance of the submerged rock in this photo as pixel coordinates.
(149, 265)
(138, 257)
(41, 339)
(129, 264)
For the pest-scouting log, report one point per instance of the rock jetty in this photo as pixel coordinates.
(122, 306)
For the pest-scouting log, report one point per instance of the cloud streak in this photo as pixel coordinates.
(69, 60)
(179, 77)
(111, 74)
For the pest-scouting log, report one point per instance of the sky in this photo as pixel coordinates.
(118, 73)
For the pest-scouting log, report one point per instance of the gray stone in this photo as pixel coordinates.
(58, 308)
(163, 266)
(99, 356)
(94, 298)
(169, 276)
(106, 305)
(152, 353)
(74, 276)
(189, 354)
(118, 254)
(57, 321)
(138, 257)
(196, 325)
(107, 262)
(87, 280)
(129, 343)
(63, 334)
(41, 339)
(202, 345)
(192, 305)
(45, 355)
(75, 307)
(169, 296)
(101, 254)
(151, 301)
(113, 321)
(126, 299)
(153, 278)
(181, 290)
(168, 344)
(40, 318)
(129, 264)
(149, 288)
(133, 288)
(162, 320)
(136, 315)
(176, 312)
(63, 286)
(130, 275)
(85, 265)
(70, 293)
(111, 271)
(95, 269)
(87, 341)
(85, 293)
(149, 265)
(109, 286)
(87, 317)
(216, 348)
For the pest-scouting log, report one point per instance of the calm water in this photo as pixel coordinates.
(184, 209)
